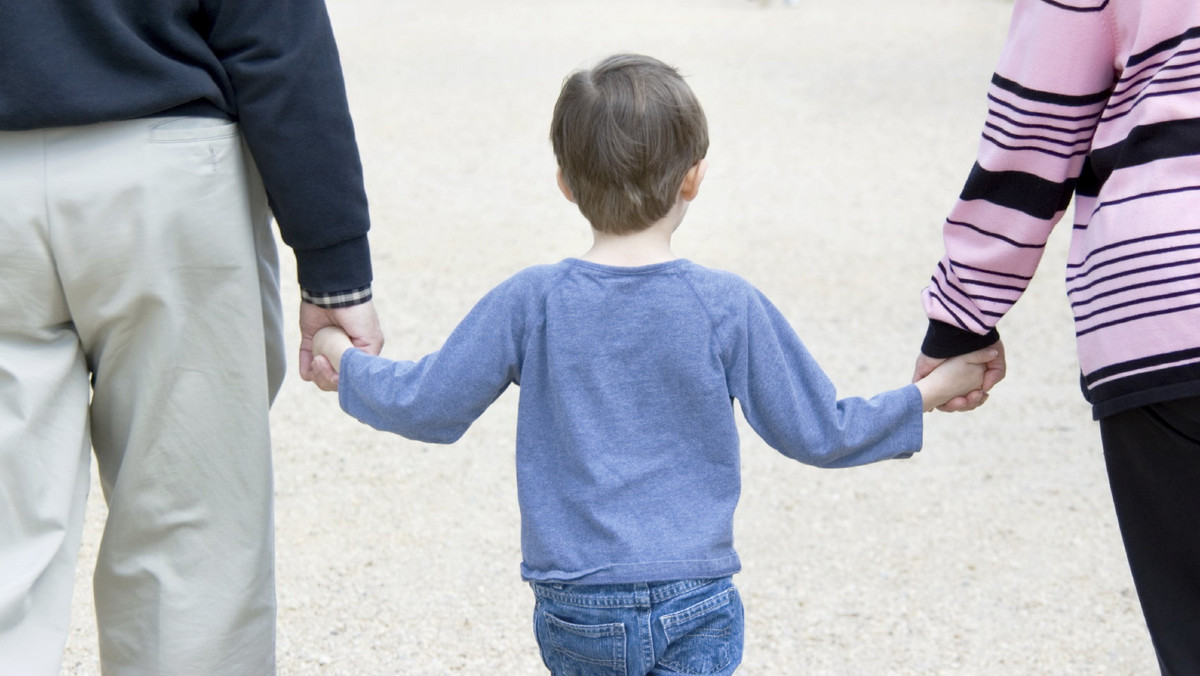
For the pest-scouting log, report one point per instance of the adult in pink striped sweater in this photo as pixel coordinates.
(1100, 100)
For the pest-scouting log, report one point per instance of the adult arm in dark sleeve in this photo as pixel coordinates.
(290, 98)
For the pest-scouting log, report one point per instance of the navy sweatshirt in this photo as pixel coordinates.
(271, 65)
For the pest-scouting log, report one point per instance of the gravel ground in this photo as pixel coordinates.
(841, 132)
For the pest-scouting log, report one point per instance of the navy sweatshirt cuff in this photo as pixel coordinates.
(333, 269)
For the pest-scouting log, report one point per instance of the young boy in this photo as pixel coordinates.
(628, 360)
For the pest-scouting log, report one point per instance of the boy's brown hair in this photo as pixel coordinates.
(625, 133)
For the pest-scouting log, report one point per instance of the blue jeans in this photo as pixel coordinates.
(683, 627)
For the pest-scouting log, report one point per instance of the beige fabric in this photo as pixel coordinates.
(138, 253)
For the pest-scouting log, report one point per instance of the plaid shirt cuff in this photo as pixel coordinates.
(339, 299)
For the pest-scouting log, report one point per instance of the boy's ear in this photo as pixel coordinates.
(692, 180)
(566, 189)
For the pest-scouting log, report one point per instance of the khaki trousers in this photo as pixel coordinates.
(139, 319)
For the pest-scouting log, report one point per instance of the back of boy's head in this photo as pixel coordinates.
(625, 133)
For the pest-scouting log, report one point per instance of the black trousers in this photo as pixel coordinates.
(1153, 459)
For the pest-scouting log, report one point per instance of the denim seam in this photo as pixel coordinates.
(703, 608)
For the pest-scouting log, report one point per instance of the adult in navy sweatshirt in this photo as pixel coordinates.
(144, 147)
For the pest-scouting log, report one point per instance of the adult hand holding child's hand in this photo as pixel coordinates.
(359, 327)
(995, 369)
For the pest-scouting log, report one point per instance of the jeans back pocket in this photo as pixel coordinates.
(706, 637)
(571, 649)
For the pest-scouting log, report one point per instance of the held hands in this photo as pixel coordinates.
(959, 383)
(330, 343)
(359, 326)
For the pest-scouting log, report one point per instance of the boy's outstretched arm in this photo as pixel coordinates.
(793, 405)
(437, 397)
(956, 377)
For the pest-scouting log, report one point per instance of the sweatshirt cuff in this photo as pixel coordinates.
(943, 340)
(336, 299)
(334, 269)
(347, 397)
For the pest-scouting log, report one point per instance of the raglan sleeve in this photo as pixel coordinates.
(791, 403)
(436, 398)
(1045, 100)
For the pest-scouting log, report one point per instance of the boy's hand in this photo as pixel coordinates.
(956, 378)
(359, 322)
(996, 369)
(330, 343)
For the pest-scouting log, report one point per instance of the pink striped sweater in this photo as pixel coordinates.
(1100, 100)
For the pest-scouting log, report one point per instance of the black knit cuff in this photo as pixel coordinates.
(943, 340)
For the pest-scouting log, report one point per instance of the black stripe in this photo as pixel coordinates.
(1165, 45)
(1131, 287)
(1181, 382)
(976, 281)
(1122, 394)
(1135, 271)
(1089, 182)
(1086, 129)
(1018, 190)
(1143, 97)
(1143, 363)
(949, 311)
(991, 285)
(1139, 254)
(1144, 195)
(1129, 81)
(1144, 144)
(1133, 318)
(944, 298)
(1138, 301)
(1065, 156)
(950, 285)
(1116, 102)
(1045, 139)
(1127, 242)
(1009, 241)
(1072, 8)
(1032, 113)
(976, 298)
(1049, 97)
(956, 264)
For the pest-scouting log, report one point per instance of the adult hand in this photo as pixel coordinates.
(361, 324)
(994, 372)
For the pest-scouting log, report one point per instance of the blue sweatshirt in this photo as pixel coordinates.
(271, 66)
(627, 445)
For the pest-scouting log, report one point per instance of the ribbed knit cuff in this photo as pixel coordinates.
(335, 268)
(943, 340)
